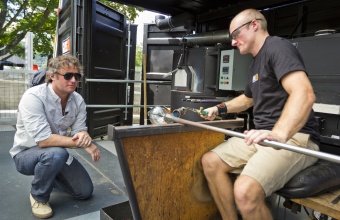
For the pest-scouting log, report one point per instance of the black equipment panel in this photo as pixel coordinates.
(97, 35)
(321, 56)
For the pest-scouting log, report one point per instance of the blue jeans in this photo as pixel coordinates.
(50, 170)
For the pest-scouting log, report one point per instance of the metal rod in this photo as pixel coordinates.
(318, 154)
(125, 81)
(144, 90)
(121, 106)
(127, 70)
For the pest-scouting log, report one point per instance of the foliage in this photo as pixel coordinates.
(17, 17)
(139, 55)
(130, 12)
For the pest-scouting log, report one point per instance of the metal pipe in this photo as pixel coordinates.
(185, 19)
(144, 90)
(122, 106)
(318, 154)
(208, 38)
(125, 81)
(127, 69)
(179, 112)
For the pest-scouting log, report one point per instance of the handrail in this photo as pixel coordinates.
(125, 81)
(121, 106)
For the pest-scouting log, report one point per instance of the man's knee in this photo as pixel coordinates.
(210, 162)
(55, 156)
(213, 164)
(84, 192)
(248, 193)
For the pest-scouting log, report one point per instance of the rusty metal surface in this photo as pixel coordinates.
(167, 176)
(161, 166)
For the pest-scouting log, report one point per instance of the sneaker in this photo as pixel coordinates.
(40, 209)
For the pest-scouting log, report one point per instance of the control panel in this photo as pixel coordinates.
(233, 70)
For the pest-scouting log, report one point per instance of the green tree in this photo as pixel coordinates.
(130, 12)
(139, 57)
(17, 17)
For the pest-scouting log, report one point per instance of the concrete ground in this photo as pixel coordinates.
(109, 188)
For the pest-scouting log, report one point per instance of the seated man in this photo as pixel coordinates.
(282, 98)
(51, 118)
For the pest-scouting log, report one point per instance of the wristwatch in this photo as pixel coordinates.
(222, 108)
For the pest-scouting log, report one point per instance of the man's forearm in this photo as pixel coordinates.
(58, 140)
(239, 104)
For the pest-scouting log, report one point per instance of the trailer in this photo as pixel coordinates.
(189, 62)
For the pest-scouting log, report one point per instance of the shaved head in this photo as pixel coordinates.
(250, 14)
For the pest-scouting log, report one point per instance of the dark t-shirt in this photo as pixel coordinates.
(276, 58)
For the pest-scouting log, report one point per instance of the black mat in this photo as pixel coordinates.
(15, 187)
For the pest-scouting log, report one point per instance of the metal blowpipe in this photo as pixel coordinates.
(317, 154)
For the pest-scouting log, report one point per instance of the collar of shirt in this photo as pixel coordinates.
(55, 96)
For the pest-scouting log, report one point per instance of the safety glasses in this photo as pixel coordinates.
(69, 75)
(236, 32)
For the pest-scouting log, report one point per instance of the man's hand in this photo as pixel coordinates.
(82, 139)
(256, 136)
(94, 152)
(212, 113)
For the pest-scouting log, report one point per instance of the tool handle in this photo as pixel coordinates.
(204, 112)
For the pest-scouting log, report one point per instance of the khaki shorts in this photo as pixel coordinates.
(272, 168)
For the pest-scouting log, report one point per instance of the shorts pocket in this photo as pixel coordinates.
(300, 140)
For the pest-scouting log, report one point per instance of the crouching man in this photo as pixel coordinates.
(51, 118)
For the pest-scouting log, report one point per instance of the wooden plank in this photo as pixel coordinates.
(167, 174)
(322, 203)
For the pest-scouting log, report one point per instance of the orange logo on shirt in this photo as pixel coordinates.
(255, 77)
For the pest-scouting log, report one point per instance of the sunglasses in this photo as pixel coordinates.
(68, 75)
(236, 32)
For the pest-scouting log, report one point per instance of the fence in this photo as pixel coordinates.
(13, 83)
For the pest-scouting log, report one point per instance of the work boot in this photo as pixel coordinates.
(40, 209)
